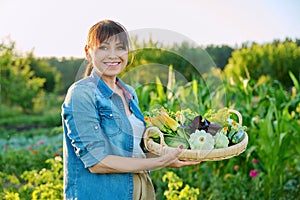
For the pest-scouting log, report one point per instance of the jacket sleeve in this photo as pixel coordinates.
(82, 125)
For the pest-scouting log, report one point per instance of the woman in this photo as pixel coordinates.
(103, 126)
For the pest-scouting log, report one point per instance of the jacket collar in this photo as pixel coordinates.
(105, 90)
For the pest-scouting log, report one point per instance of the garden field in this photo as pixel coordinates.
(266, 93)
(31, 157)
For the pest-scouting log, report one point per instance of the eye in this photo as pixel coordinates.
(103, 47)
(121, 47)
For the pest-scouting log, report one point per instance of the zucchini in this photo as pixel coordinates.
(175, 141)
(238, 136)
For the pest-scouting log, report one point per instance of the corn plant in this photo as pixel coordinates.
(270, 166)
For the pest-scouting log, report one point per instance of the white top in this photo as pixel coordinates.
(138, 130)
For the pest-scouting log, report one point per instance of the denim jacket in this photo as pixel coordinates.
(95, 125)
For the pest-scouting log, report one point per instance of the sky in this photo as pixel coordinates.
(59, 27)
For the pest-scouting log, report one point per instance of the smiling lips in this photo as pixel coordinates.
(112, 64)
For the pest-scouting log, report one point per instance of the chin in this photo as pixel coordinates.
(113, 73)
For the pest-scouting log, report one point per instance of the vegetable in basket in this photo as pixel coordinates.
(200, 123)
(175, 141)
(201, 140)
(215, 129)
(221, 140)
(174, 134)
(236, 132)
(163, 121)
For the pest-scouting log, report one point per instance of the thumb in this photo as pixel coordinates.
(179, 149)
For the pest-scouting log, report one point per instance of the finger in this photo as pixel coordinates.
(175, 153)
(187, 163)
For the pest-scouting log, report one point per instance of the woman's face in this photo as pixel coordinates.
(110, 58)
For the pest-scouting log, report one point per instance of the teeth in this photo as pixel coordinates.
(112, 63)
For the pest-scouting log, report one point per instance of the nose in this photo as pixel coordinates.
(112, 54)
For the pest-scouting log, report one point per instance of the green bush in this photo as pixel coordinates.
(19, 85)
(28, 149)
(272, 59)
(176, 191)
(43, 184)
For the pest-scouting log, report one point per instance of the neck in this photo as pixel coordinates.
(110, 82)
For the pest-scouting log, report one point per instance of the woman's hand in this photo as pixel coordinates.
(118, 164)
(171, 159)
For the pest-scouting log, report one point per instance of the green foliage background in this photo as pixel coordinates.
(261, 81)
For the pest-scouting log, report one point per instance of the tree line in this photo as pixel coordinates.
(26, 79)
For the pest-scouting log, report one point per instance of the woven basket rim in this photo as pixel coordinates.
(192, 154)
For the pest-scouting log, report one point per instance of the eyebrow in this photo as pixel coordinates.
(119, 43)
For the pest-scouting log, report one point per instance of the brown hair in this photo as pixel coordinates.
(102, 31)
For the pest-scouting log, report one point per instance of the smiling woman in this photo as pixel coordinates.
(108, 49)
(103, 126)
(109, 59)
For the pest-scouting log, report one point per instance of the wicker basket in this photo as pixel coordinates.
(195, 155)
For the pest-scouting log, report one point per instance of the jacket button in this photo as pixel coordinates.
(96, 127)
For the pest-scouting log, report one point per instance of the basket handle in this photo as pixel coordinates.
(155, 129)
(238, 114)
